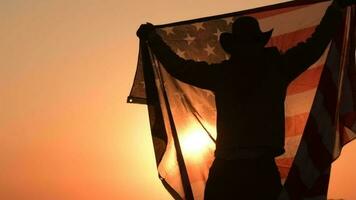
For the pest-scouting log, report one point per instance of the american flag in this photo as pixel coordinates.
(319, 108)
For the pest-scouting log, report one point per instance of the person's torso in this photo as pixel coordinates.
(250, 97)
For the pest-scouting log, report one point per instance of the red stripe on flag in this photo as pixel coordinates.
(306, 81)
(284, 41)
(294, 125)
(275, 12)
(284, 165)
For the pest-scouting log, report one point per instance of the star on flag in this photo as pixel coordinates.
(218, 33)
(168, 30)
(229, 20)
(209, 50)
(189, 39)
(199, 26)
(180, 53)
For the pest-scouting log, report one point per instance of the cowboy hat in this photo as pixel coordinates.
(245, 31)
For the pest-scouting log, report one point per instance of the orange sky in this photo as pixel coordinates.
(66, 132)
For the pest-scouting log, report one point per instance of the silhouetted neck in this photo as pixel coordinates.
(246, 52)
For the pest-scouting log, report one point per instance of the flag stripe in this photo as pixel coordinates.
(306, 81)
(276, 12)
(284, 166)
(299, 103)
(309, 17)
(294, 185)
(291, 146)
(283, 44)
(294, 125)
(317, 151)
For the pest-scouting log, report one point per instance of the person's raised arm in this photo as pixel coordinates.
(199, 74)
(299, 58)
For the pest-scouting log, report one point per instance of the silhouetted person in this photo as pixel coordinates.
(250, 89)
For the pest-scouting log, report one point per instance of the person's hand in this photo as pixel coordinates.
(344, 3)
(145, 30)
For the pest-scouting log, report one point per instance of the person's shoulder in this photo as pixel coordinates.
(273, 56)
(272, 50)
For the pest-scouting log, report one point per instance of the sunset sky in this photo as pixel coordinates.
(66, 69)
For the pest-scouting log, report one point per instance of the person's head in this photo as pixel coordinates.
(246, 33)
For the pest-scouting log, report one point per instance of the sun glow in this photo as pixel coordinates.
(196, 142)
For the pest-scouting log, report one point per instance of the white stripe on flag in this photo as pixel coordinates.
(299, 103)
(291, 146)
(295, 20)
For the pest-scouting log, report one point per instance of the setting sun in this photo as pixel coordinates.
(195, 142)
